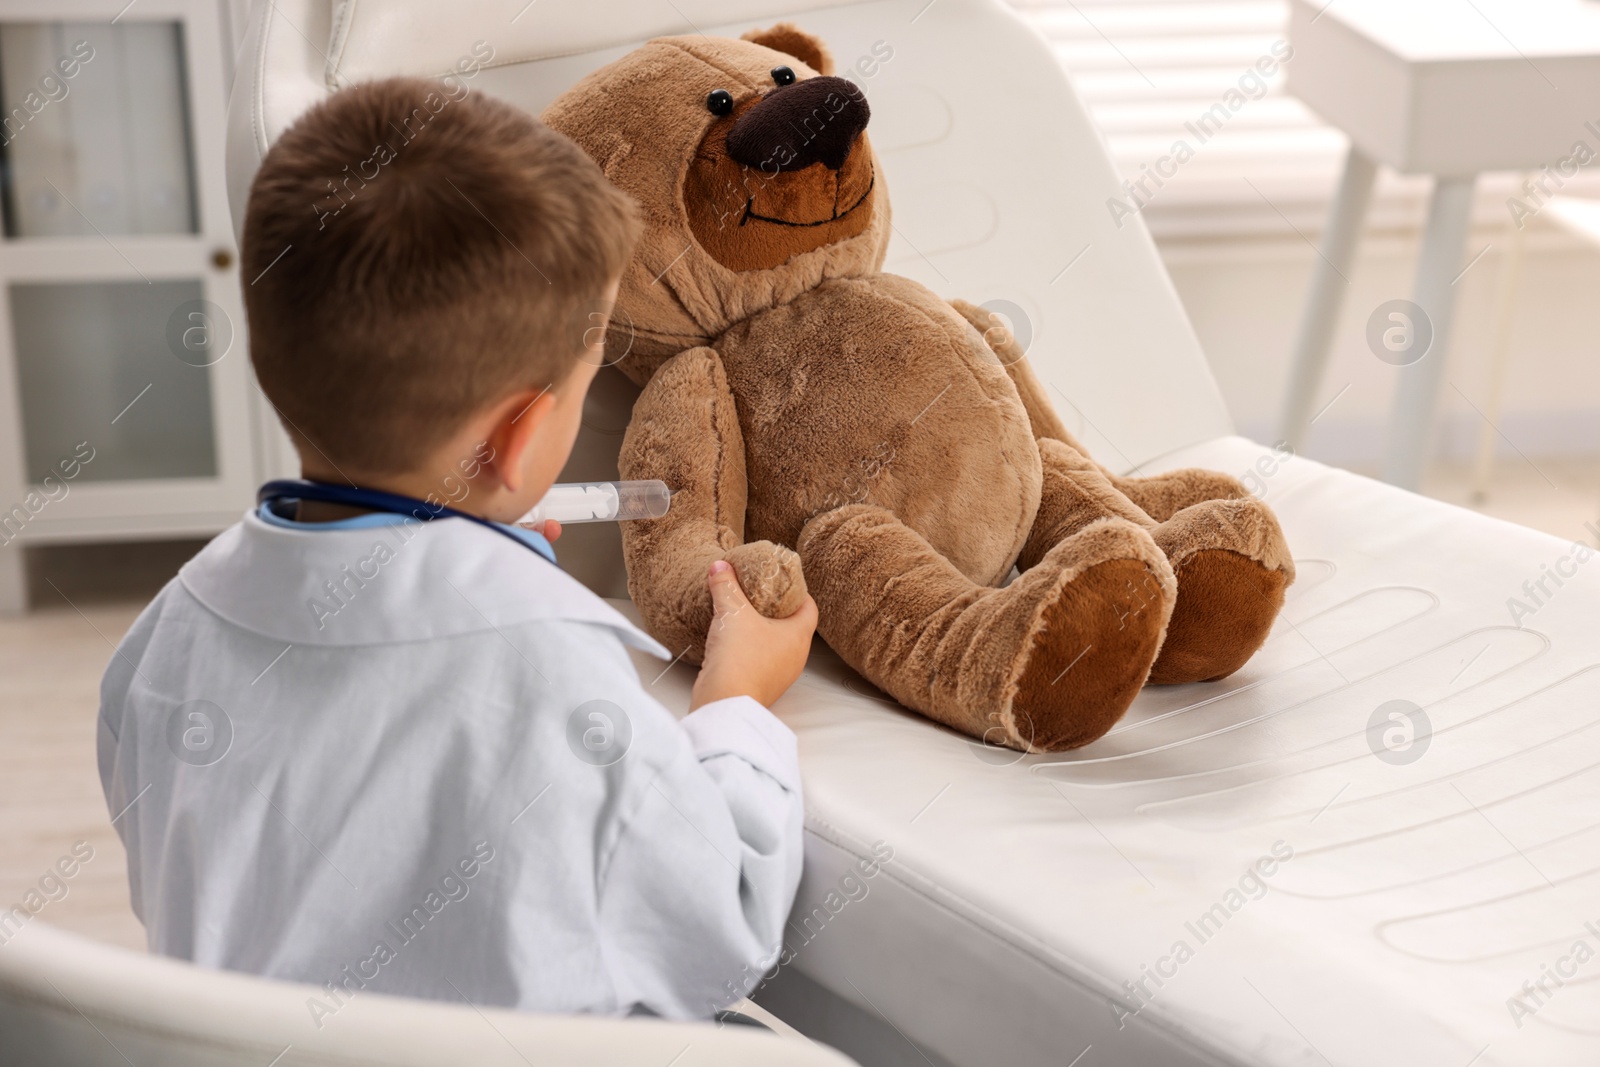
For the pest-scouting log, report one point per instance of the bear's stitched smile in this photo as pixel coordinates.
(750, 212)
(754, 218)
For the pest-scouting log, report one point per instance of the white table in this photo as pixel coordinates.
(1450, 88)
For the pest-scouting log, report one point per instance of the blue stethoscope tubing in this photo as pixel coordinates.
(377, 500)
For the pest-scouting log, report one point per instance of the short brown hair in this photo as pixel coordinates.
(413, 250)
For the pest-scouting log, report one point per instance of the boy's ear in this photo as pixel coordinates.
(790, 39)
(514, 431)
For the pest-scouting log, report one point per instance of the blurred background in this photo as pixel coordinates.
(1237, 225)
(118, 460)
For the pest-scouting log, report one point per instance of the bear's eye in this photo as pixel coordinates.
(719, 102)
(783, 75)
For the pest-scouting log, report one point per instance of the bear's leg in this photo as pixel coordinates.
(1164, 495)
(1049, 662)
(1233, 567)
(1228, 552)
(1075, 493)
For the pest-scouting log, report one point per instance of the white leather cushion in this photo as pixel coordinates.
(382, 38)
(1420, 895)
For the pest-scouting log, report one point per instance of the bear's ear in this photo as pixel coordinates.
(790, 39)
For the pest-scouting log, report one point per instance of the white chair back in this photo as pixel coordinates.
(65, 1000)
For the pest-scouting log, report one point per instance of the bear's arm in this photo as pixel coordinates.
(685, 431)
(1041, 413)
(1161, 496)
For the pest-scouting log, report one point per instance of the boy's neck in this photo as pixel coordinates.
(418, 487)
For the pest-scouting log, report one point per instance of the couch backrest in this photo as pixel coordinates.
(1000, 185)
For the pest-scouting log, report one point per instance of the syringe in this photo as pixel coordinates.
(600, 502)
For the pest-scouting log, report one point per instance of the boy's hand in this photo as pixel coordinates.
(748, 654)
(549, 527)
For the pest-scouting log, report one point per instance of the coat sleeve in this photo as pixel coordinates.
(120, 774)
(705, 870)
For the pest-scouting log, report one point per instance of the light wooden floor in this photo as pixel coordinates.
(50, 663)
(86, 598)
(49, 788)
(1558, 496)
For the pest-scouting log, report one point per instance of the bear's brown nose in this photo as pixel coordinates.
(814, 121)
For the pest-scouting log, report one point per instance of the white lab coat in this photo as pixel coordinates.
(407, 789)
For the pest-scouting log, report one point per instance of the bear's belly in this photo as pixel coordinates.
(875, 391)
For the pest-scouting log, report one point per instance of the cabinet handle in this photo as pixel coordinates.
(222, 259)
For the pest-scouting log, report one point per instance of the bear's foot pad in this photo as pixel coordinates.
(1089, 657)
(1226, 605)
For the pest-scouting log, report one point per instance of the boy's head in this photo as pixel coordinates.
(415, 257)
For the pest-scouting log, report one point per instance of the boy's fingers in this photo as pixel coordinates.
(807, 611)
(726, 593)
(804, 614)
(552, 530)
(804, 617)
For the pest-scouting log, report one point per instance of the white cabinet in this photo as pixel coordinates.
(127, 404)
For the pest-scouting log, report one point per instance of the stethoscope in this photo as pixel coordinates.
(378, 500)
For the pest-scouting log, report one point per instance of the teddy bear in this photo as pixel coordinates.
(831, 428)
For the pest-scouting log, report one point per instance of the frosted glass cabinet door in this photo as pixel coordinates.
(121, 325)
(96, 369)
(96, 134)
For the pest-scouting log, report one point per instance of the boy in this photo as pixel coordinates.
(349, 748)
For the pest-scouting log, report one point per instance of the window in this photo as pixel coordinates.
(1264, 165)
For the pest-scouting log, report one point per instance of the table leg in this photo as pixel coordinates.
(1505, 312)
(1329, 278)
(13, 580)
(1417, 398)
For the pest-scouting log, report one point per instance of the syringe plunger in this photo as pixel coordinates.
(601, 502)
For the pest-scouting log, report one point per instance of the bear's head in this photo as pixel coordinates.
(751, 164)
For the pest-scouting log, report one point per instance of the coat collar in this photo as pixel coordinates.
(387, 585)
